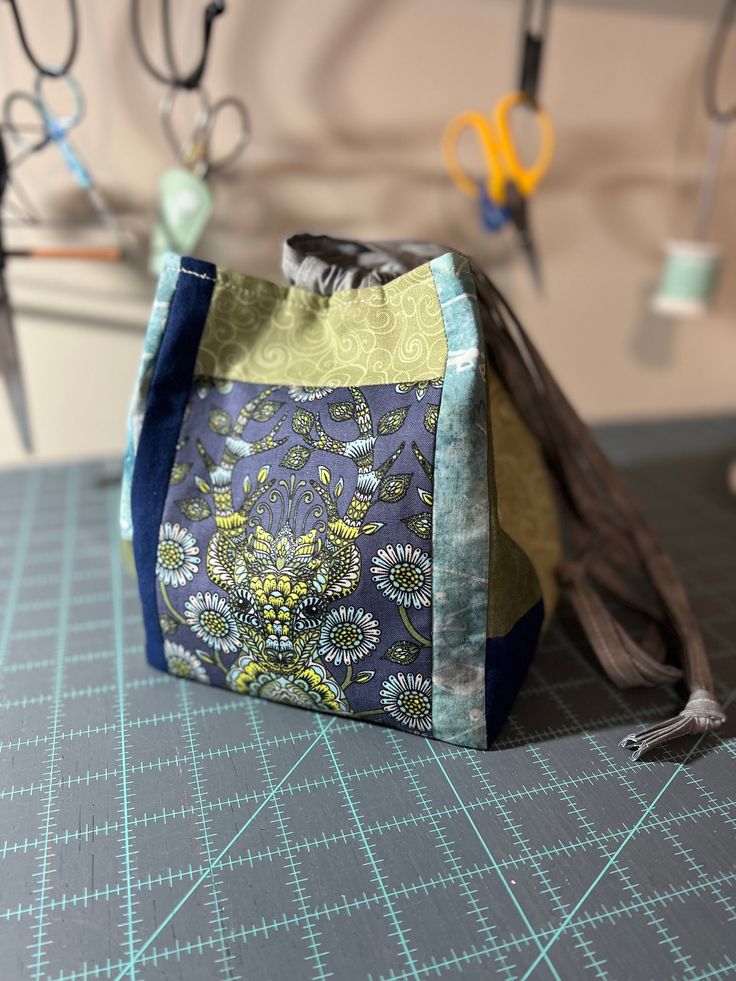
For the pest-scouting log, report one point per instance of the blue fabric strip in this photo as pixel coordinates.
(507, 662)
(151, 345)
(167, 399)
(460, 524)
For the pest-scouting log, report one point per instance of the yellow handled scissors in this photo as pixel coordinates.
(508, 182)
(503, 163)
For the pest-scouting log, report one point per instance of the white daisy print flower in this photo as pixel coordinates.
(183, 663)
(308, 393)
(348, 635)
(177, 558)
(212, 620)
(403, 573)
(408, 699)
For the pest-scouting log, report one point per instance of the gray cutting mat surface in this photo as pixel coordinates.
(154, 828)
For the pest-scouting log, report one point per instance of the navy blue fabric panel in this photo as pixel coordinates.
(507, 662)
(167, 399)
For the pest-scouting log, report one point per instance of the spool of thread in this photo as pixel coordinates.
(688, 279)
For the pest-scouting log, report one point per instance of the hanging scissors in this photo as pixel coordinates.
(10, 367)
(47, 127)
(195, 151)
(509, 182)
(174, 76)
(30, 137)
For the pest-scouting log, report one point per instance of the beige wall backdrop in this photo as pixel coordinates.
(348, 100)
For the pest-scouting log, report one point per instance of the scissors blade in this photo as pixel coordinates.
(532, 258)
(11, 370)
(519, 212)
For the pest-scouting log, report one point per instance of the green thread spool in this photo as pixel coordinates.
(688, 279)
(691, 268)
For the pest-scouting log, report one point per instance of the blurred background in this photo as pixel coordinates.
(348, 102)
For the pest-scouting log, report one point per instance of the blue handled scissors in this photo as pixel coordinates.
(44, 127)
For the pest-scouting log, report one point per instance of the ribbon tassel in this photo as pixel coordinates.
(702, 714)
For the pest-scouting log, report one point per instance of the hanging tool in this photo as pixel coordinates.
(690, 272)
(720, 118)
(174, 78)
(503, 193)
(9, 358)
(509, 183)
(532, 47)
(92, 254)
(50, 70)
(185, 197)
(47, 127)
(195, 152)
(30, 138)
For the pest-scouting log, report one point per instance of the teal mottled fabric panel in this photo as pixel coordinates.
(460, 524)
(154, 332)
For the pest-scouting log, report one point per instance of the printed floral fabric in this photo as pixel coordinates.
(295, 549)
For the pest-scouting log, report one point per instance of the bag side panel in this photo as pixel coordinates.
(508, 658)
(460, 525)
(524, 497)
(524, 550)
(152, 342)
(165, 405)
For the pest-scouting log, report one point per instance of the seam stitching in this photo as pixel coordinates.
(191, 272)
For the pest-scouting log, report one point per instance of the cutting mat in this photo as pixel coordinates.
(154, 828)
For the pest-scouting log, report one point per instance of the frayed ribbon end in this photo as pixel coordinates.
(702, 714)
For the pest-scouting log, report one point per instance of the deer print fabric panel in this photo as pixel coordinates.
(295, 548)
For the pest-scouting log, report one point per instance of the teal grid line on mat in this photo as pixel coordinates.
(154, 828)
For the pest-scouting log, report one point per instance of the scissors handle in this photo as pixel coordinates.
(195, 152)
(71, 119)
(183, 148)
(49, 126)
(480, 125)
(503, 163)
(27, 138)
(240, 130)
(526, 177)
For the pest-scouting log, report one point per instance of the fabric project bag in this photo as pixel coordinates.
(333, 499)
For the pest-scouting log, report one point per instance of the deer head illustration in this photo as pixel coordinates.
(289, 548)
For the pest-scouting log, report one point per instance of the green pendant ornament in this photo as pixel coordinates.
(185, 205)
